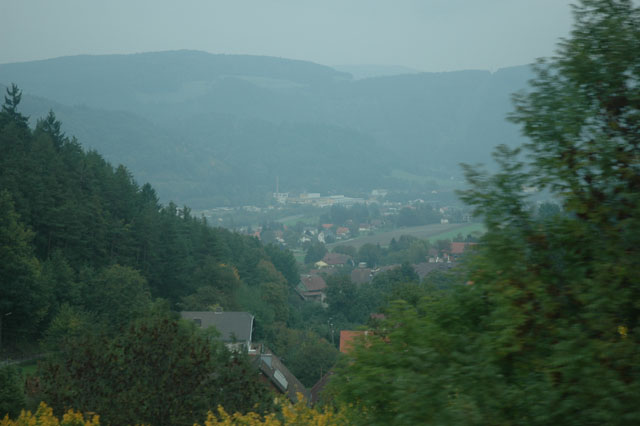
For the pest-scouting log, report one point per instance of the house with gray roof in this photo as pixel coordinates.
(236, 328)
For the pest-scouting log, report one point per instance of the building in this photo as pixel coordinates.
(236, 328)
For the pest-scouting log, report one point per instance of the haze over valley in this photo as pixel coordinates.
(292, 212)
(219, 130)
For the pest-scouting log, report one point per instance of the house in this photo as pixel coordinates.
(304, 239)
(324, 271)
(320, 264)
(337, 259)
(385, 268)
(342, 232)
(313, 288)
(361, 275)
(236, 328)
(457, 249)
(425, 268)
(278, 376)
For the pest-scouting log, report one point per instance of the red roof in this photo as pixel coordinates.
(458, 248)
(342, 230)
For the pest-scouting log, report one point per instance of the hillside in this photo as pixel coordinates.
(218, 129)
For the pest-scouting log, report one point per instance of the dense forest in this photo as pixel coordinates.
(538, 326)
(87, 252)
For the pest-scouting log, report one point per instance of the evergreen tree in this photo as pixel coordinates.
(10, 108)
(23, 301)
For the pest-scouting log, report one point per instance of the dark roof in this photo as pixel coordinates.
(361, 275)
(387, 268)
(316, 390)
(283, 379)
(313, 282)
(325, 271)
(335, 259)
(231, 325)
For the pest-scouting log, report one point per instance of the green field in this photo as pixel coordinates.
(431, 232)
(298, 254)
(293, 220)
(466, 230)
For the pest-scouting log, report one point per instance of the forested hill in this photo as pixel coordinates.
(79, 235)
(218, 129)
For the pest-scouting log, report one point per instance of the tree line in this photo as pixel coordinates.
(92, 265)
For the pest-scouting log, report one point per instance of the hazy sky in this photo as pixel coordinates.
(429, 35)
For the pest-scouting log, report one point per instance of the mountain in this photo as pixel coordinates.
(370, 71)
(220, 129)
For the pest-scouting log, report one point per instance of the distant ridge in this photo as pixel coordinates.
(370, 71)
(211, 130)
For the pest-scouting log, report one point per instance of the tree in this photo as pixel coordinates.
(11, 392)
(117, 295)
(52, 127)
(315, 252)
(285, 262)
(370, 253)
(10, 108)
(546, 330)
(158, 371)
(23, 301)
(346, 249)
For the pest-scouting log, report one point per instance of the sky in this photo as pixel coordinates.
(425, 35)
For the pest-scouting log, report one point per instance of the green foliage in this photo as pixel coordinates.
(422, 214)
(117, 295)
(341, 297)
(284, 262)
(407, 248)
(23, 301)
(315, 252)
(12, 398)
(370, 253)
(243, 144)
(10, 108)
(546, 331)
(70, 322)
(346, 249)
(105, 244)
(158, 371)
(308, 356)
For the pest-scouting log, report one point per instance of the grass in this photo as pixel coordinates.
(298, 255)
(293, 220)
(450, 235)
(430, 232)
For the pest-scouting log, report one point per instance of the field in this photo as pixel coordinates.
(294, 219)
(432, 232)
